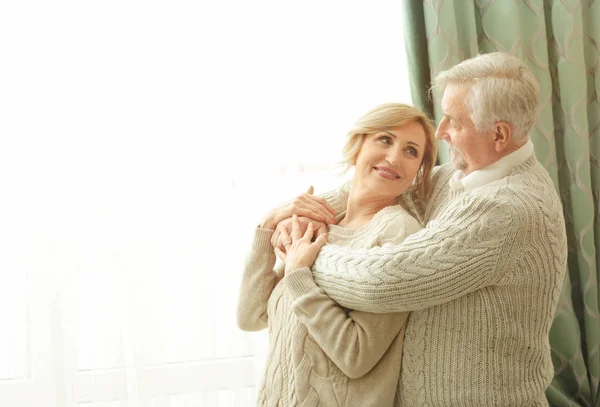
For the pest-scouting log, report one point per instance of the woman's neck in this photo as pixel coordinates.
(362, 206)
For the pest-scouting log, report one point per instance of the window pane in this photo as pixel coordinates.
(17, 248)
(143, 150)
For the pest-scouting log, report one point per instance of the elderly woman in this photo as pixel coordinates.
(348, 358)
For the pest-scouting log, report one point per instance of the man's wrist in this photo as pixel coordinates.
(269, 224)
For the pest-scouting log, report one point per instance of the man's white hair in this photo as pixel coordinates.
(503, 89)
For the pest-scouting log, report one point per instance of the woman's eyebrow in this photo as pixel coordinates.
(394, 136)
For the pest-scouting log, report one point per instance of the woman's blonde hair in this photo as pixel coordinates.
(390, 116)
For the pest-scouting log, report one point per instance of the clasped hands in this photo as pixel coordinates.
(296, 223)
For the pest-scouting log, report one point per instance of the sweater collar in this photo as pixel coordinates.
(492, 172)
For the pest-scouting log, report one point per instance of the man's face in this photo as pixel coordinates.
(470, 150)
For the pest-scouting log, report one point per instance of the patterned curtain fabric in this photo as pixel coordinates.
(560, 41)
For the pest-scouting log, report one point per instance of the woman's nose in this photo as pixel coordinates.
(395, 157)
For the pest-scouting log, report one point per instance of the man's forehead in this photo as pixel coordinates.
(453, 98)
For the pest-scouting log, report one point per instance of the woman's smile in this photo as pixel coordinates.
(387, 173)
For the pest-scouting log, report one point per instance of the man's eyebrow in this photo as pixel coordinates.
(452, 117)
(449, 116)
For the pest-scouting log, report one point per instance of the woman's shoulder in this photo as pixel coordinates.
(395, 224)
(394, 213)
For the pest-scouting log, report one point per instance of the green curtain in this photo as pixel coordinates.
(560, 41)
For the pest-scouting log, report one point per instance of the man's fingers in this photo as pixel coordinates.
(318, 209)
(319, 204)
(324, 202)
(309, 213)
(310, 190)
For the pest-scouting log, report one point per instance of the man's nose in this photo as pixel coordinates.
(440, 132)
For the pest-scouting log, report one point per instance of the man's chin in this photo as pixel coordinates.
(458, 164)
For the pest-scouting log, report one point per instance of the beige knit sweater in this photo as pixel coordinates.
(482, 281)
(344, 358)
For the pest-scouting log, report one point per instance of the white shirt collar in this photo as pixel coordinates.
(492, 172)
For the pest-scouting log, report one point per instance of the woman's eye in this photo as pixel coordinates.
(412, 151)
(385, 140)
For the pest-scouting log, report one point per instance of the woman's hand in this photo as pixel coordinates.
(277, 240)
(306, 204)
(300, 251)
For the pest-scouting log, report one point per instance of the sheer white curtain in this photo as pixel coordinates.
(141, 142)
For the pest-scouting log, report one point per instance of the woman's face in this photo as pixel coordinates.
(388, 161)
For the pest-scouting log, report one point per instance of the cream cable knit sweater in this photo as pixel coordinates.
(482, 281)
(345, 358)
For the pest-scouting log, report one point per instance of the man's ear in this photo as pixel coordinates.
(503, 135)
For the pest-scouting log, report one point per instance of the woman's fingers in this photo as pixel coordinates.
(320, 241)
(284, 229)
(281, 254)
(285, 239)
(275, 242)
(302, 252)
(296, 233)
(308, 235)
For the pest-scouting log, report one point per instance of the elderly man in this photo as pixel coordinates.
(483, 278)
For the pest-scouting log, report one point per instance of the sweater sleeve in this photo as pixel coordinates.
(355, 341)
(258, 282)
(460, 252)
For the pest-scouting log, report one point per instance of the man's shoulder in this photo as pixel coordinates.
(530, 173)
(440, 176)
(529, 195)
(531, 182)
(442, 171)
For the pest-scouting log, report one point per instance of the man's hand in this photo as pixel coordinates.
(301, 250)
(306, 204)
(285, 228)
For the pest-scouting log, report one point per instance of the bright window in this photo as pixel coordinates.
(141, 143)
